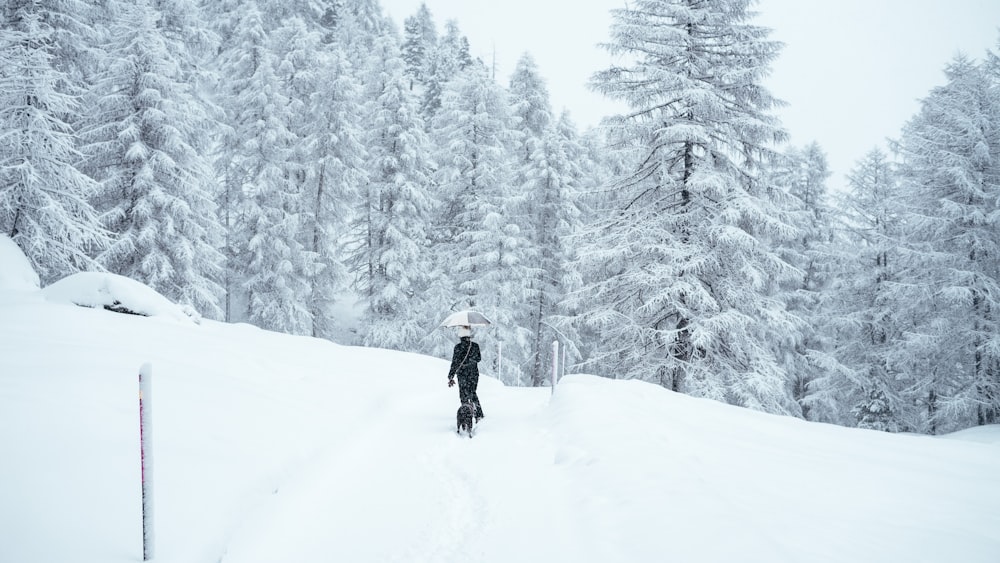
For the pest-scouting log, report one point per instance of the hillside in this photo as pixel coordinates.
(277, 448)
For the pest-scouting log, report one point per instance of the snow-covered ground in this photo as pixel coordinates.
(273, 448)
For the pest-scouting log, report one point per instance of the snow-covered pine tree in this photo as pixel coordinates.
(44, 197)
(276, 13)
(529, 104)
(368, 16)
(262, 196)
(598, 163)
(449, 57)
(186, 34)
(303, 64)
(222, 17)
(334, 158)
(194, 44)
(951, 170)
(876, 411)
(328, 11)
(157, 190)
(72, 44)
(241, 47)
(531, 177)
(871, 297)
(357, 26)
(546, 177)
(419, 41)
(683, 262)
(554, 178)
(601, 163)
(801, 175)
(479, 244)
(391, 258)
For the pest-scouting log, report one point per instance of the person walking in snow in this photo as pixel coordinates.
(465, 366)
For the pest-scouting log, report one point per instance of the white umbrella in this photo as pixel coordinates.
(467, 318)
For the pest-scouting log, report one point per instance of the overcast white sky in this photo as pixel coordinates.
(852, 71)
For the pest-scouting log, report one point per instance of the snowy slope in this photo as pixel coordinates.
(272, 448)
(16, 272)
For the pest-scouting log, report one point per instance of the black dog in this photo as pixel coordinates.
(465, 418)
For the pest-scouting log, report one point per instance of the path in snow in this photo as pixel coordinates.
(416, 491)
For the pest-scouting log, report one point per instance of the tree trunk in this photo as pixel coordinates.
(537, 374)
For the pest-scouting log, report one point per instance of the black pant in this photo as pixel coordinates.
(467, 393)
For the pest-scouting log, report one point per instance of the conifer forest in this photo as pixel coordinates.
(311, 168)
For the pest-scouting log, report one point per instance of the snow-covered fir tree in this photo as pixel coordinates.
(449, 57)
(222, 16)
(530, 106)
(800, 175)
(554, 178)
(194, 44)
(391, 260)
(871, 296)
(241, 46)
(419, 42)
(263, 194)
(546, 176)
(157, 190)
(44, 197)
(368, 17)
(357, 26)
(951, 172)
(73, 43)
(335, 157)
(684, 266)
(186, 33)
(326, 160)
(276, 13)
(531, 174)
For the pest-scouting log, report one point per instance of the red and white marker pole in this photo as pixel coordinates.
(146, 443)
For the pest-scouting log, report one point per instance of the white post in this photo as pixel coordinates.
(500, 361)
(146, 454)
(555, 364)
(562, 372)
(563, 336)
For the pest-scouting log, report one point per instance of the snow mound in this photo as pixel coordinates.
(15, 269)
(115, 293)
(983, 434)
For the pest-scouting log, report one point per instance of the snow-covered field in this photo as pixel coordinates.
(273, 448)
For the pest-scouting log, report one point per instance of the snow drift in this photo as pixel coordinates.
(16, 272)
(115, 293)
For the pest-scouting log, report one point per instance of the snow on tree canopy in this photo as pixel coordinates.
(116, 293)
(15, 269)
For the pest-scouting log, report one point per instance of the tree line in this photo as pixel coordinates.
(271, 161)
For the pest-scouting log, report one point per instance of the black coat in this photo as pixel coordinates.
(465, 364)
(465, 360)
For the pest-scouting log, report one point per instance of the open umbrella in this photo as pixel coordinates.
(467, 318)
